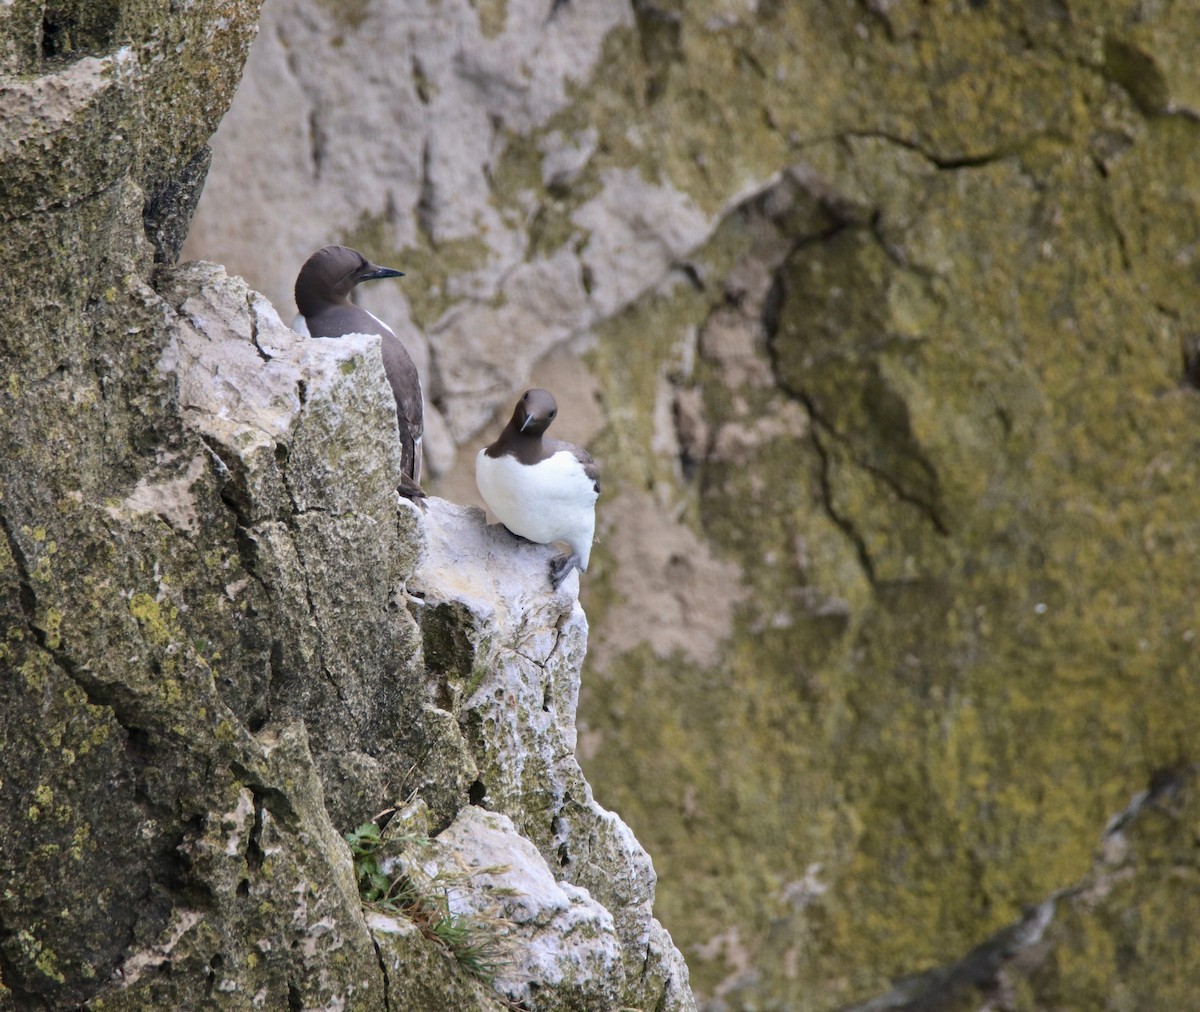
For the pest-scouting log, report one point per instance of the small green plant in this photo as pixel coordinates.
(423, 898)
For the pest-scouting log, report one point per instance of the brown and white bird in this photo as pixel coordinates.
(541, 489)
(323, 289)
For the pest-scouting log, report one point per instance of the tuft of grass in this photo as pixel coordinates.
(409, 890)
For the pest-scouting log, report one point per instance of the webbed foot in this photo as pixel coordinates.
(561, 566)
(409, 489)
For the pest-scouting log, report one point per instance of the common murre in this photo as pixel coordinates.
(541, 489)
(323, 288)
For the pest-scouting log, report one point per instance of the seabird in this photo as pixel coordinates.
(541, 489)
(323, 287)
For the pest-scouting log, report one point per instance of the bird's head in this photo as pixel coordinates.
(330, 274)
(535, 411)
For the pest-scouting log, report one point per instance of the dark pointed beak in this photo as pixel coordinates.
(528, 419)
(380, 272)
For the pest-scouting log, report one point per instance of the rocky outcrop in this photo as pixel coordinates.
(226, 642)
(92, 657)
(880, 318)
(506, 654)
(297, 651)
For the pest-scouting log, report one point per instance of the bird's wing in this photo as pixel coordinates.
(410, 407)
(590, 467)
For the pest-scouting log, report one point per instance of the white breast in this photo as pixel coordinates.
(553, 500)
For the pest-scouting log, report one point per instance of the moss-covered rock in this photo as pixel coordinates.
(944, 673)
(210, 665)
(889, 313)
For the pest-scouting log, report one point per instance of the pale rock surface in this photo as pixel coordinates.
(938, 414)
(247, 391)
(561, 947)
(636, 230)
(507, 650)
(502, 650)
(695, 592)
(298, 429)
(401, 153)
(435, 87)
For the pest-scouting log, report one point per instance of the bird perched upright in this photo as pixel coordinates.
(323, 287)
(541, 489)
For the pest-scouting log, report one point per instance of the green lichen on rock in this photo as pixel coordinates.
(961, 639)
(83, 411)
(212, 661)
(121, 577)
(911, 425)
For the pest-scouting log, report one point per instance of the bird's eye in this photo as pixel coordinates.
(553, 413)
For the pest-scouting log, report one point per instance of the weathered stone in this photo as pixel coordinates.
(254, 684)
(422, 975)
(209, 667)
(85, 418)
(889, 310)
(278, 921)
(506, 650)
(560, 949)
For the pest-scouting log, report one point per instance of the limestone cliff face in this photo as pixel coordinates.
(226, 641)
(881, 318)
